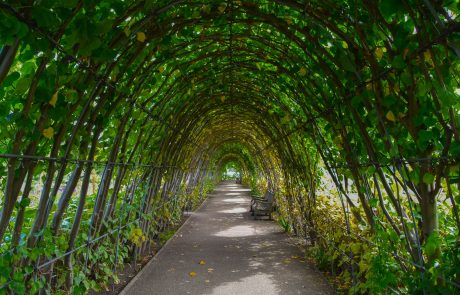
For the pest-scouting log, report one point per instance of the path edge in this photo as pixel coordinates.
(152, 260)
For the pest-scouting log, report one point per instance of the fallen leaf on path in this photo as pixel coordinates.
(192, 273)
(206, 281)
(202, 262)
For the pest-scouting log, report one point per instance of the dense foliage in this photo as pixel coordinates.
(118, 115)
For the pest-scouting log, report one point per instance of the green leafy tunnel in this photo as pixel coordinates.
(116, 116)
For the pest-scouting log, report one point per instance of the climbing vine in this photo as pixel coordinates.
(116, 116)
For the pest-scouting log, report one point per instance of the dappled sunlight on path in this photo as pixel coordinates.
(222, 250)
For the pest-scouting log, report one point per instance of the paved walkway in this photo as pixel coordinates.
(221, 250)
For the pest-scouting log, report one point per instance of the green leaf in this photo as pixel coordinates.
(88, 46)
(345, 61)
(24, 203)
(455, 148)
(423, 87)
(23, 84)
(389, 7)
(10, 79)
(424, 138)
(414, 176)
(428, 178)
(150, 5)
(398, 62)
(457, 198)
(446, 97)
(432, 244)
(45, 17)
(19, 287)
(66, 3)
(373, 202)
(393, 236)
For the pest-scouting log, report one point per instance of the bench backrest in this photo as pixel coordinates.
(269, 196)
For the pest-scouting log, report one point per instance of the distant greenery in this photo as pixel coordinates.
(231, 171)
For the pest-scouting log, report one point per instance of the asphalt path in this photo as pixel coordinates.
(222, 250)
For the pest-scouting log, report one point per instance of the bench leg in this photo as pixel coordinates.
(255, 213)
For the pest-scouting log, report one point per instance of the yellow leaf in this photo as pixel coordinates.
(161, 69)
(363, 266)
(302, 71)
(391, 117)
(222, 7)
(386, 89)
(355, 248)
(202, 262)
(48, 132)
(137, 236)
(369, 86)
(379, 53)
(206, 281)
(192, 273)
(427, 57)
(54, 99)
(140, 37)
(222, 98)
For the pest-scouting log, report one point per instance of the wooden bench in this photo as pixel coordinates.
(262, 206)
